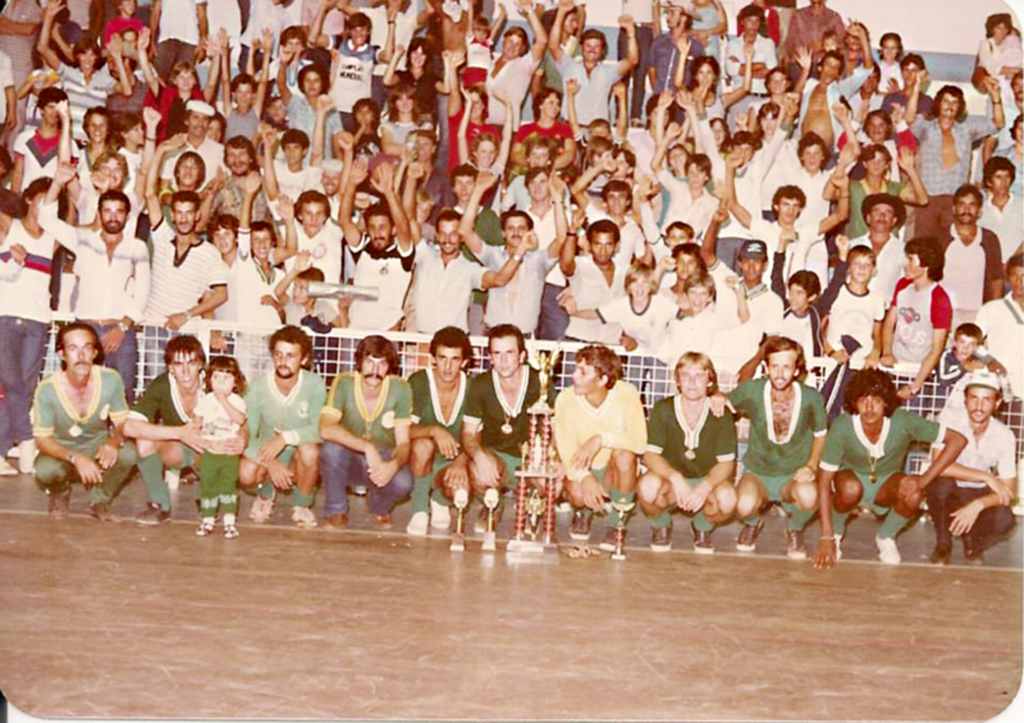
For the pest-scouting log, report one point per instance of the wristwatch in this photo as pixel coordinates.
(124, 327)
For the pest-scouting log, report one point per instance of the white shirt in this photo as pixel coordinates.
(808, 252)
(6, 81)
(995, 449)
(519, 302)
(855, 316)
(1002, 322)
(391, 273)
(179, 21)
(247, 285)
(1007, 224)
(513, 78)
(591, 290)
(209, 150)
(111, 288)
(25, 289)
(325, 249)
(697, 213)
(442, 293)
(966, 285)
(736, 58)
(648, 327)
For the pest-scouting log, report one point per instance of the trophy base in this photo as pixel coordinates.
(490, 542)
(536, 549)
(458, 543)
(618, 556)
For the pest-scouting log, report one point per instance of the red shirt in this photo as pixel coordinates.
(472, 131)
(558, 130)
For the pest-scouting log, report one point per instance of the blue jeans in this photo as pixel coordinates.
(22, 354)
(644, 40)
(341, 468)
(553, 318)
(124, 360)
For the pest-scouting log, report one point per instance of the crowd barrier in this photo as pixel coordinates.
(334, 353)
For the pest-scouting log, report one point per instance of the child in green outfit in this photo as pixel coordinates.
(221, 414)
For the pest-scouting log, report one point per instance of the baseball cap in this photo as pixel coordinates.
(200, 107)
(753, 250)
(983, 378)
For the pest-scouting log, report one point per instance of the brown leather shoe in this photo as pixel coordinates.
(102, 512)
(383, 522)
(336, 522)
(58, 506)
(942, 554)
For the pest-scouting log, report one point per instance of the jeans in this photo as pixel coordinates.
(124, 360)
(553, 318)
(638, 76)
(22, 354)
(945, 497)
(341, 468)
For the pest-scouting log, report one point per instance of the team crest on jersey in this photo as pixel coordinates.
(388, 420)
(303, 409)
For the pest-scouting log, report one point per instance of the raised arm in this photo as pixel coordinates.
(152, 80)
(324, 105)
(269, 173)
(572, 87)
(632, 58)
(555, 39)
(540, 36)
(383, 182)
(46, 52)
(485, 180)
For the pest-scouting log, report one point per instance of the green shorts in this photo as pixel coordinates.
(772, 483)
(870, 492)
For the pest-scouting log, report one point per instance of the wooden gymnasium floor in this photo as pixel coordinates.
(122, 621)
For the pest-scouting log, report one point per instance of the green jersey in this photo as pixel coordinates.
(505, 428)
(692, 452)
(847, 447)
(771, 455)
(346, 406)
(161, 403)
(295, 415)
(426, 405)
(53, 414)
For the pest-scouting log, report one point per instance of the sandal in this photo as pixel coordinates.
(205, 528)
(230, 532)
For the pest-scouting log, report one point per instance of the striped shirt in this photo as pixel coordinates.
(178, 284)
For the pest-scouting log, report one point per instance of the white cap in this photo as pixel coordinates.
(983, 378)
(201, 107)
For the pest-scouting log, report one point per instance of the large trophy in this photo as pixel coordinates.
(537, 471)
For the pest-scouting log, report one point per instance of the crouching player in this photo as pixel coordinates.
(439, 466)
(863, 463)
(599, 432)
(691, 458)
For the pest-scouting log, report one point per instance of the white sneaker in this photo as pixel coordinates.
(440, 516)
(261, 510)
(13, 452)
(6, 470)
(887, 550)
(303, 518)
(839, 547)
(27, 456)
(417, 524)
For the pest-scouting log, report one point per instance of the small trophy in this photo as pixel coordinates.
(623, 507)
(491, 500)
(461, 502)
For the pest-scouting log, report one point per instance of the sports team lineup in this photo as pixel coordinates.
(222, 224)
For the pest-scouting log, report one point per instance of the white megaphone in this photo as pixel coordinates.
(326, 290)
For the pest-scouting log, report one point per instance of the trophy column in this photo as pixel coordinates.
(537, 469)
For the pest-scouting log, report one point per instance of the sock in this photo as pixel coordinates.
(839, 522)
(152, 470)
(229, 518)
(302, 500)
(661, 521)
(702, 523)
(437, 496)
(892, 524)
(613, 518)
(210, 521)
(585, 512)
(266, 491)
(797, 518)
(421, 493)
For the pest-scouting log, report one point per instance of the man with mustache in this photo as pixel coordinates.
(365, 427)
(112, 277)
(283, 411)
(77, 424)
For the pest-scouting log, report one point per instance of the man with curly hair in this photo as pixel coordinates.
(863, 464)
